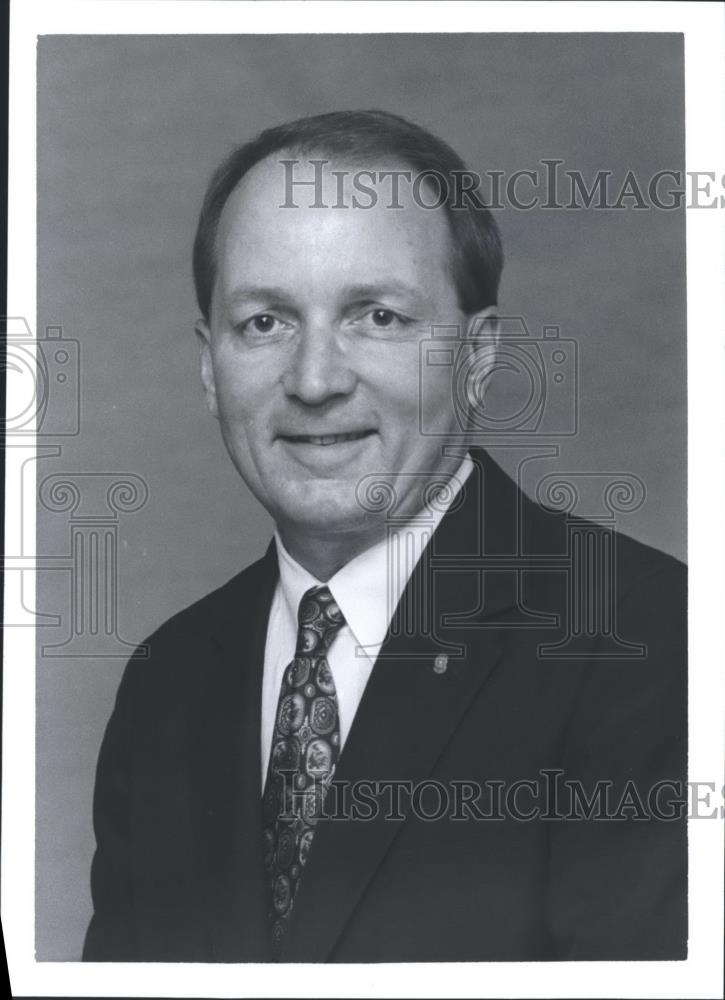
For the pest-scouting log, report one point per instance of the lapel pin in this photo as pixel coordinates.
(440, 664)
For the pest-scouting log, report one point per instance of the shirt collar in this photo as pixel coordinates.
(369, 587)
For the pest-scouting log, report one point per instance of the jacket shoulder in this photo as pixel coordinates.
(547, 530)
(185, 643)
(639, 566)
(228, 600)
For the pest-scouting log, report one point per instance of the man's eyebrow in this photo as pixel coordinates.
(386, 286)
(367, 291)
(241, 293)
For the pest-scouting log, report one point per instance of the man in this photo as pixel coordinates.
(392, 738)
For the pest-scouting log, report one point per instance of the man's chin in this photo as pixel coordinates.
(319, 512)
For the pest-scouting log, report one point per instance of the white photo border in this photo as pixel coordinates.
(701, 974)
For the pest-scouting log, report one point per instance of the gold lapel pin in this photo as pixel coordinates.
(440, 664)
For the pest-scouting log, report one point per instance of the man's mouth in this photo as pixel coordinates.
(326, 439)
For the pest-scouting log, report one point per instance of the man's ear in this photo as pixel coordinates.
(203, 334)
(485, 325)
(478, 362)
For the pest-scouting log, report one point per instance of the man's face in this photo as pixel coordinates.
(310, 359)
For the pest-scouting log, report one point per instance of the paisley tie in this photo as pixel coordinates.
(305, 748)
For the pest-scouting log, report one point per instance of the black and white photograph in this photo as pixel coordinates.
(364, 470)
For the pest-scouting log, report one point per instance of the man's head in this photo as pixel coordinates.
(314, 311)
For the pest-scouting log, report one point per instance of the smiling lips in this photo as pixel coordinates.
(326, 439)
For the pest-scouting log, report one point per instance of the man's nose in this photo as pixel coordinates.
(319, 367)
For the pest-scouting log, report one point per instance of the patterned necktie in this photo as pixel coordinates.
(305, 748)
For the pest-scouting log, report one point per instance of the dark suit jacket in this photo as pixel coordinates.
(178, 874)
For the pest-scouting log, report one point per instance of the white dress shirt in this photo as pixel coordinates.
(367, 590)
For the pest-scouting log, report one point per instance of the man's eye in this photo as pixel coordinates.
(264, 323)
(260, 324)
(383, 319)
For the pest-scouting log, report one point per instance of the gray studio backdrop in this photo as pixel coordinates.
(129, 129)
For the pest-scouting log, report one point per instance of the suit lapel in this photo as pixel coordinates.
(228, 772)
(407, 715)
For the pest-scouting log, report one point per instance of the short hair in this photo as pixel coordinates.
(478, 255)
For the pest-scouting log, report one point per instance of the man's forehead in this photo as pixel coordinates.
(326, 240)
(290, 180)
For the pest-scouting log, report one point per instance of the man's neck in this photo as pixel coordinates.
(323, 554)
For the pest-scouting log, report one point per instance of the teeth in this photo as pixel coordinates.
(326, 439)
